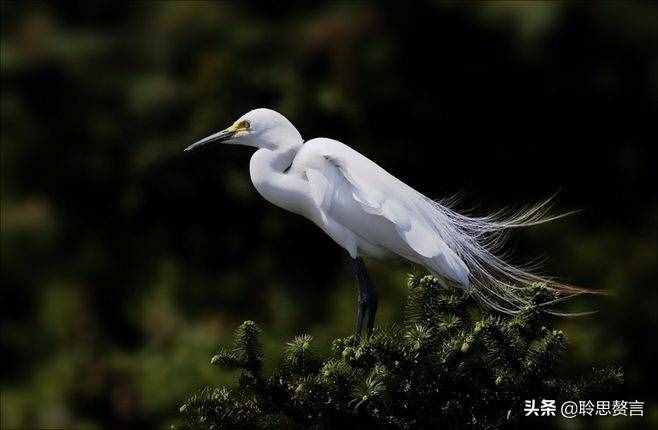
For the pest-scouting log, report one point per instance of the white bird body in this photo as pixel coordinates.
(369, 212)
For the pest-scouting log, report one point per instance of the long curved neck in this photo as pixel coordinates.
(267, 168)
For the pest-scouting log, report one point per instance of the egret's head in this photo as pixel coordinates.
(260, 128)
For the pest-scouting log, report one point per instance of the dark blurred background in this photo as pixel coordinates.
(125, 262)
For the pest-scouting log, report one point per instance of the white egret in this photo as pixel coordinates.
(369, 212)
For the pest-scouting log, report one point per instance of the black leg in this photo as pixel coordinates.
(366, 301)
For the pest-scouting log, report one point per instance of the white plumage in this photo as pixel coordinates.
(381, 213)
(369, 212)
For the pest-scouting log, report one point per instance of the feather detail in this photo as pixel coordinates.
(497, 283)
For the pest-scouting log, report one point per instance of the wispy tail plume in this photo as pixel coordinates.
(478, 241)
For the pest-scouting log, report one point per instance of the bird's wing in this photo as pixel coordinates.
(378, 193)
(375, 198)
(357, 193)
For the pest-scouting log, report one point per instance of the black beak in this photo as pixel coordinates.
(221, 136)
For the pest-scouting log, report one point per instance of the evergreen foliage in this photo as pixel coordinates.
(448, 364)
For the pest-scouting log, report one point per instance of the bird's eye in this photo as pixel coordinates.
(245, 125)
